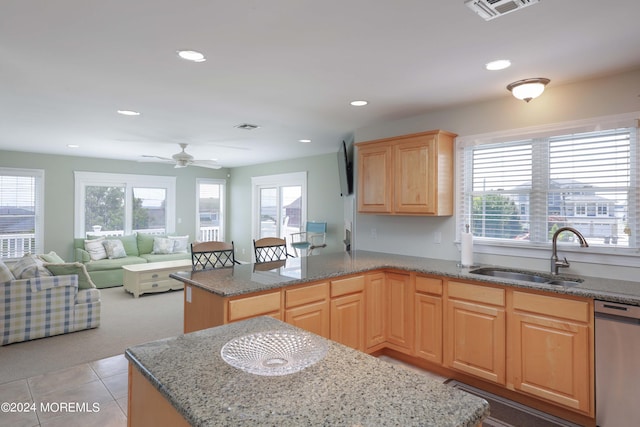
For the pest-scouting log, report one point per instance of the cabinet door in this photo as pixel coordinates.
(375, 313)
(375, 184)
(475, 339)
(312, 317)
(428, 313)
(415, 176)
(552, 355)
(400, 312)
(347, 320)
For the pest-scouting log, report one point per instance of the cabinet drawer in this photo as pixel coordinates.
(149, 276)
(552, 306)
(477, 293)
(254, 306)
(429, 285)
(347, 286)
(159, 284)
(306, 295)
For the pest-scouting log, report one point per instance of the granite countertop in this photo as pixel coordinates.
(248, 278)
(346, 387)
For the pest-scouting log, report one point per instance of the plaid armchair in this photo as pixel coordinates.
(45, 306)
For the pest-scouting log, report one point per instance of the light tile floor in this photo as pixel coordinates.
(91, 394)
(95, 394)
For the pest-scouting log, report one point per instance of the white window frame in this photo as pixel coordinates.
(279, 180)
(618, 256)
(38, 174)
(128, 181)
(223, 204)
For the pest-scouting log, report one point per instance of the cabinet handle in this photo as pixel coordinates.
(155, 276)
(155, 285)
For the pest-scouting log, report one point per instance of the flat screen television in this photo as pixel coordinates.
(345, 170)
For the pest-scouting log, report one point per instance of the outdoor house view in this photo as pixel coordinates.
(584, 180)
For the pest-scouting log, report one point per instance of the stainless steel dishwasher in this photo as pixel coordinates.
(617, 336)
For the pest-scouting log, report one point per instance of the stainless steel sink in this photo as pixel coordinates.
(526, 276)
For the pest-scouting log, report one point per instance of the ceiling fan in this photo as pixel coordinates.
(184, 159)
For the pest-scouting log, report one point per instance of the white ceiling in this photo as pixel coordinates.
(289, 66)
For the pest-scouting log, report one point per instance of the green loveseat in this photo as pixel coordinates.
(107, 273)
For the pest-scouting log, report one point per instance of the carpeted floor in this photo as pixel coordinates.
(125, 321)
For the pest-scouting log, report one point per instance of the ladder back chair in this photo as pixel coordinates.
(210, 255)
(270, 249)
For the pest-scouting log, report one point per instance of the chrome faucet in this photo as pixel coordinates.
(555, 263)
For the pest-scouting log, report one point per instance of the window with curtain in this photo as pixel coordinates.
(21, 218)
(520, 190)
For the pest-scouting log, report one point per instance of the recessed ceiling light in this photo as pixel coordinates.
(305, 140)
(128, 113)
(73, 146)
(191, 55)
(360, 103)
(499, 64)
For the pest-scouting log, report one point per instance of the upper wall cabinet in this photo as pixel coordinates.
(407, 175)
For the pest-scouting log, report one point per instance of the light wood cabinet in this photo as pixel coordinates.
(347, 312)
(375, 315)
(308, 308)
(476, 330)
(400, 304)
(267, 304)
(551, 344)
(428, 319)
(375, 180)
(407, 175)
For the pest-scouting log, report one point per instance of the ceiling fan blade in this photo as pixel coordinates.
(206, 164)
(157, 157)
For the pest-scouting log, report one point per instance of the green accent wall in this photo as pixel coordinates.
(59, 189)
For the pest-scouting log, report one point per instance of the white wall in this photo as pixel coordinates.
(415, 236)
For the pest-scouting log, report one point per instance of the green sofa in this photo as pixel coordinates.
(107, 273)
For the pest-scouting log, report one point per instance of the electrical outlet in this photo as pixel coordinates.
(374, 233)
(437, 237)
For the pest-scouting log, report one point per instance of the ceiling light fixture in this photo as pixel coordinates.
(306, 141)
(191, 55)
(360, 103)
(128, 113)
(73, 146)
(499, 64)
(528, 89)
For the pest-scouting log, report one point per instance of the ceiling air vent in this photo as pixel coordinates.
(247, 126)
(490, 9)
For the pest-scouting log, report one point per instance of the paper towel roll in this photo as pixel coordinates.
(466, 249)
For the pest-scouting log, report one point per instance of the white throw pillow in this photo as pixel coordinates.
(162, 245)
(180, 244)
(114, 248)
(5, 273)
(95, 248)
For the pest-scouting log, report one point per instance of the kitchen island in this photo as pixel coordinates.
(529, 341)
(184, 379)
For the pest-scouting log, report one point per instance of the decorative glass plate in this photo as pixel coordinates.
(274, 352)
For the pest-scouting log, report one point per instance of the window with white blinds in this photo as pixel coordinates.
(521, 191)
(21, 219)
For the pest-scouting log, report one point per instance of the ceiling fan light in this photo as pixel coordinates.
(528, 89)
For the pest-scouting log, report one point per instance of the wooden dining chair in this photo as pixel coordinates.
(210, 255)
(270, 249)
